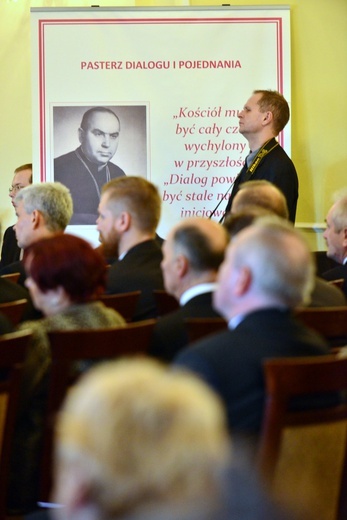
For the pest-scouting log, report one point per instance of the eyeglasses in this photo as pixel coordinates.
(15, 188)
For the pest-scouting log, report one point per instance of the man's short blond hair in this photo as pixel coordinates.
(137, 196)
(142, 434)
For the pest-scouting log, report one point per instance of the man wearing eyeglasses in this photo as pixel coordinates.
(10, 252)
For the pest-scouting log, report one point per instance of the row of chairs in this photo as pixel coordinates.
(320, 435)
(67, 348)
(330, 322)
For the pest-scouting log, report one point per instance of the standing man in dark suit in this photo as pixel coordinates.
(267, 272)
(10, 252)
(336, 239)
(85, 170)
(262, 118)
(193, 252)
(129, 213)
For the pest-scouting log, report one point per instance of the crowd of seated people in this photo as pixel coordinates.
(164, 452)
(254, 283)
(64, 276)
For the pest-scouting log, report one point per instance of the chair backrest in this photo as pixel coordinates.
(330, 322)
(13, 277)
(337, 283)
(71, 346)
(14, 310)
(197, 328)
(302, 451)
(165, 302)
(124, 303)
(13, 348)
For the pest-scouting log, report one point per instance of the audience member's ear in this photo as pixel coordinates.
(123, 221)
(243, 281)
(72, 491)
(37, 219)
(344, 240)
(182, 264)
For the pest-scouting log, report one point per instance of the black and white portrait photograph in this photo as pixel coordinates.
(94, 144)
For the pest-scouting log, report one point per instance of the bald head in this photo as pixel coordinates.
(193, 252)
(263, 194)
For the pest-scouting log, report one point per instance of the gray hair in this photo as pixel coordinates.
(203, 252)
(279, 259)
(52, 199)
(339, 211)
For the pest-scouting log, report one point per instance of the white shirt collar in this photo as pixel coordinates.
(235, 321)
(201, 288)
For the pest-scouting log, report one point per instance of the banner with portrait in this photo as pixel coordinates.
(174, 78)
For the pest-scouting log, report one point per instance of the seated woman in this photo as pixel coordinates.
(65, 275)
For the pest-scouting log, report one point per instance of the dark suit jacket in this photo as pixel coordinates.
(9, 292)
(231, 361)
(170, 333)
(15, 267)
(337, 272)
(5, 325)
(278, 168)
(139, 270)
(10, 251)
(69, 170)
(326, 295)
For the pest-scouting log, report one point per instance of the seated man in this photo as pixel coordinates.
(267, 272)
(42, 210)
(129, 213)
(336, 238)
(256, 196)
(10, 252)
(135, 440)
(193, 252)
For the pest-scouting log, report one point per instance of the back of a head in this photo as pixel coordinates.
(279, 259)
(142, 435)
(69, 262)
(52, 199)
(261, 193)
(202, 241)
(236, 222)
(274, 102)
(24, 167)
(137, 196)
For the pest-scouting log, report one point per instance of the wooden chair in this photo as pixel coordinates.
(199, 327)
(330, 322)
(69, 347)
(337, 283)
(165, 302)
(124, 303)
(12, 354)
(302, 454)
(14, 310)
(13, 277)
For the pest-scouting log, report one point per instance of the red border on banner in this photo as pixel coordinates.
(43, 23)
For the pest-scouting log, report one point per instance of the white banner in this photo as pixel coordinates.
(176, 78)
